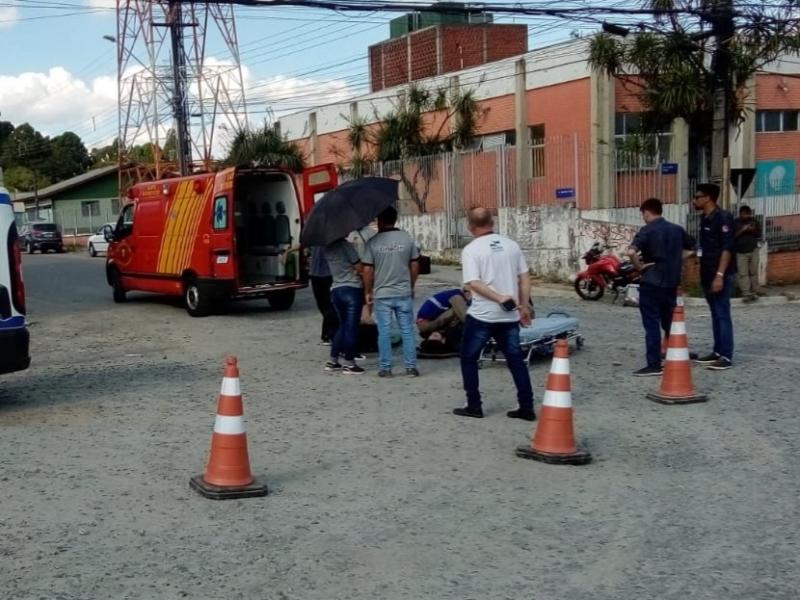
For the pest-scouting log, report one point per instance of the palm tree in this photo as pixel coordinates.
(264, 147)
(401, 135)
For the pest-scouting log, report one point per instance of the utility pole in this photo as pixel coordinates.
(721, 19)
(180, 102)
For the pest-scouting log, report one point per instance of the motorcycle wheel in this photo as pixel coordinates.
(588, 290)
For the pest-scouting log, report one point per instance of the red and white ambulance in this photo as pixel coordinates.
(215, 236)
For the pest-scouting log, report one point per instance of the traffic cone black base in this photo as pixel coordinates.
(661, 399)
(215, 492)
(579, 457)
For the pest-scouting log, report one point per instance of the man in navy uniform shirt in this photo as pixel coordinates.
(717, 271)
(662, 245)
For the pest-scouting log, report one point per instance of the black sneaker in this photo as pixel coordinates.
(720, 364)
(357, 357)
(412, 372)
(648, 372)
(333, 367)
(468, 412)
(708, 359)
(352, 370)
(525, 415)
(385, 374)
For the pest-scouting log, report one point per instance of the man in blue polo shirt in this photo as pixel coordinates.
(717, 271)
(442, 310)
(663, 246)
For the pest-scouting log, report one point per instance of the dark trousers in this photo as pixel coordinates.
(656, 305)
(721, 322)
(348, 302)
(476, 334)
(321, 286)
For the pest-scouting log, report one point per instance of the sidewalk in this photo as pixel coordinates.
(451, 275)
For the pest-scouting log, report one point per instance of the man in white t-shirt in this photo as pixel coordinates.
(495, 270)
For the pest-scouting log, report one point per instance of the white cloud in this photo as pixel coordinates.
(104, 4)
(8, 16)
(57, 101)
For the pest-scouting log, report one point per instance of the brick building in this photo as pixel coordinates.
(574, 125)
(436, 43)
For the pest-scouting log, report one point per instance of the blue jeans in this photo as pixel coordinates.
(476, 334)
(656, 305)
(722, 324)
(348, 302)
(403, 309)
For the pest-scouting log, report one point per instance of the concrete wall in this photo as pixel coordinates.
(554, 238)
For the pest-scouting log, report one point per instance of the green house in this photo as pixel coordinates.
(79, 205)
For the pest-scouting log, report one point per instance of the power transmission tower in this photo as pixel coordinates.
(178, 68)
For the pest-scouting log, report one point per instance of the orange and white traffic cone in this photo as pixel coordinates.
(228, 472)
(554, 440)
(676, 381)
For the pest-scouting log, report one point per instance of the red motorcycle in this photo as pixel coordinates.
(604, 271)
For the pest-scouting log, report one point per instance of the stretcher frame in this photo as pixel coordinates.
(544, 345)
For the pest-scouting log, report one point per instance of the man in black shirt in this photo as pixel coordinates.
(717, 271)
(745, 244)
(662, 245)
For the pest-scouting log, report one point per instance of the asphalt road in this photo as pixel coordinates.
(377, 491)
(59, 284)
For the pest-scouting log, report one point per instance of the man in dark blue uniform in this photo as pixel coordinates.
(663, 246)
(717, 271)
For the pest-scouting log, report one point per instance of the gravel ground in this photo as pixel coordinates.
(376, 490)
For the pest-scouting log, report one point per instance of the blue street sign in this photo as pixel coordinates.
(669, 168)
(564, 193)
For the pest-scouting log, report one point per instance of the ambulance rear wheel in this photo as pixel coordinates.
(197, 302)
(281, 300)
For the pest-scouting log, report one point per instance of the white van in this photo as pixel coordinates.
(13, 328)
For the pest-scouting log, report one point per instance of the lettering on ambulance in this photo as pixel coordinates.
(181, 228)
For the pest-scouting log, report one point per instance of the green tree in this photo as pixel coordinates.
(23, 179)
(402, 134)
(264, 147)
(667, 60)
(68, 157)
(26, 147)
(105, 155)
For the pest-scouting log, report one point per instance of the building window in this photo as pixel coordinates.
(90, 209)
(776, 120)
(536, 133)
(493, 141)
(115, 206)
(637, 149)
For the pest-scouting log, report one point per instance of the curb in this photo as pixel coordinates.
(443, 277)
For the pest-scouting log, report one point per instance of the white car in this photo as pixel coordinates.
(97, 242)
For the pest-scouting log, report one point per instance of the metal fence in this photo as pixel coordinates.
(71, 221)
(778, 216)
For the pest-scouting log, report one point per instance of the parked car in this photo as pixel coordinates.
(41, 236)
(97, 243)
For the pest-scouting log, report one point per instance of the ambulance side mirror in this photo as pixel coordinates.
(108, 233)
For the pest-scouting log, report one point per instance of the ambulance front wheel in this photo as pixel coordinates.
(116, 286)
(196, 300)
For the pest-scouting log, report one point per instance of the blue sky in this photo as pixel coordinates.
(59, 74)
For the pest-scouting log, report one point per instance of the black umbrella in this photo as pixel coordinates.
(346, 208)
